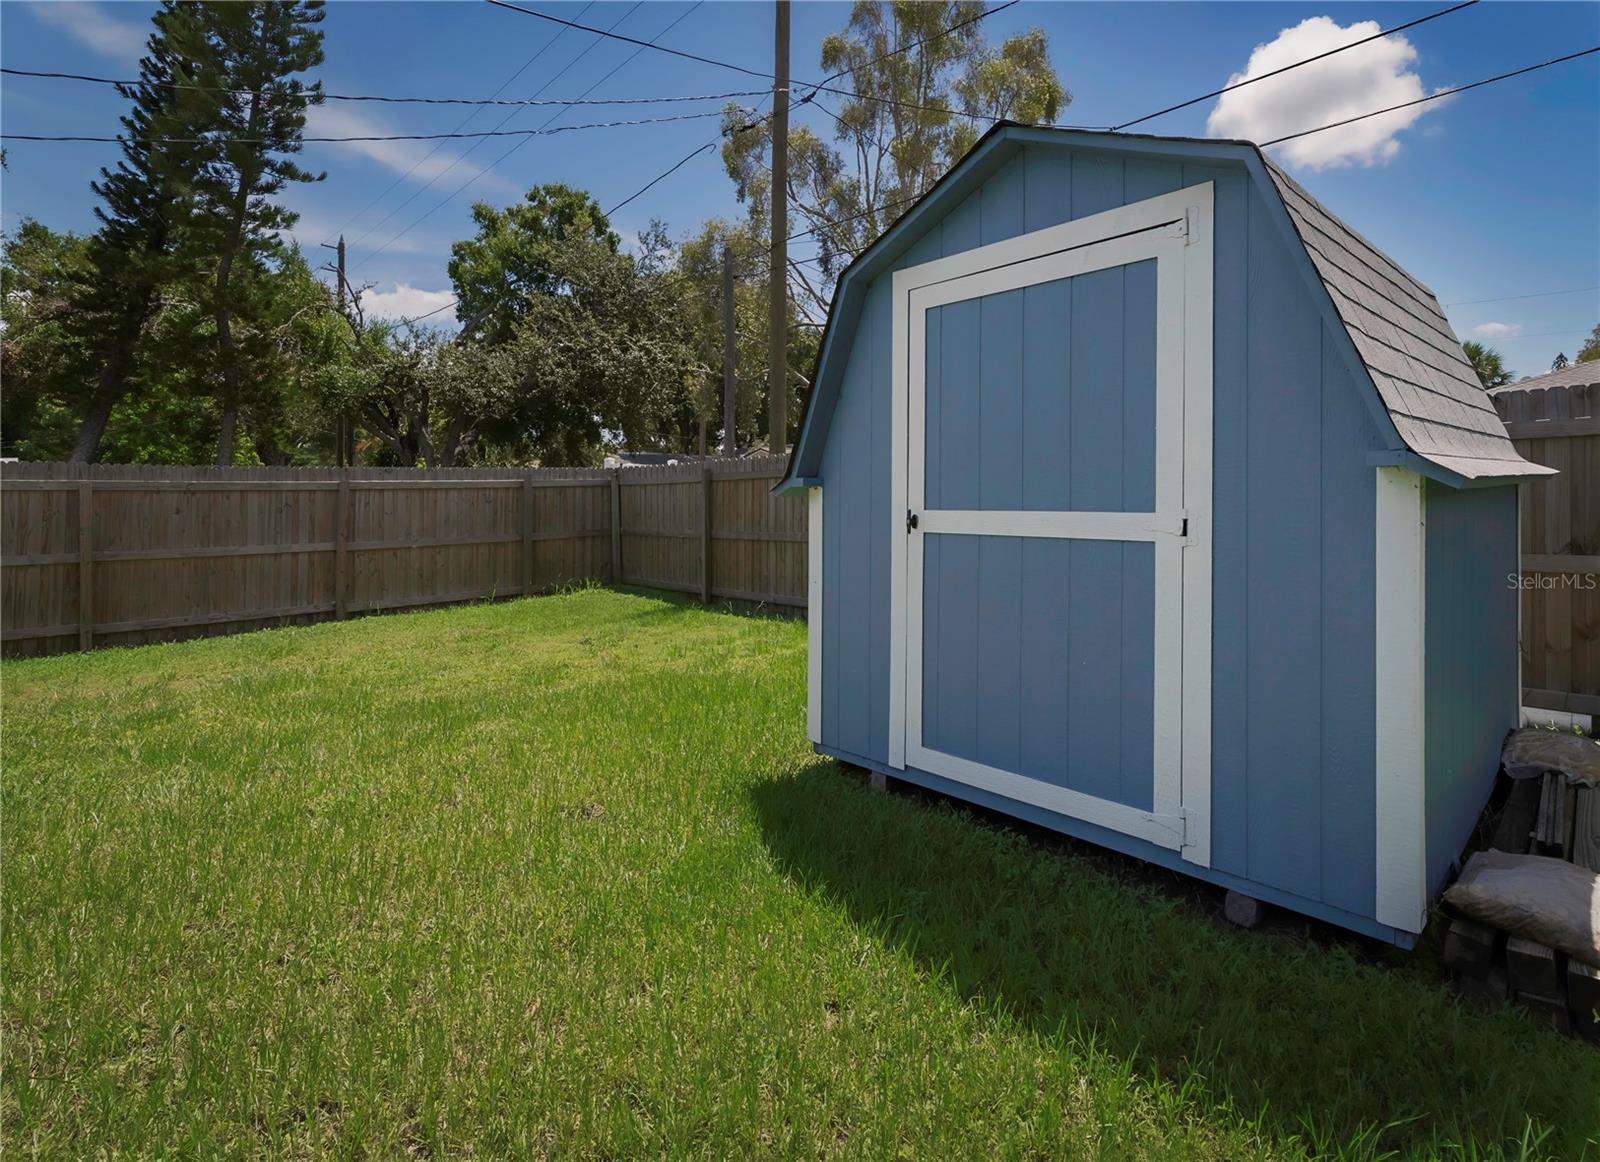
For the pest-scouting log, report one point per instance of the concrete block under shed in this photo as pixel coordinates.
(1537, 977)
(1583, 998)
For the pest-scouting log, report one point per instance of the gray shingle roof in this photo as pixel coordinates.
(1415, 360)
(1572, 375)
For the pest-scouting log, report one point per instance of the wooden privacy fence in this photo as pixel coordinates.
(114, 555)
(1560, 428)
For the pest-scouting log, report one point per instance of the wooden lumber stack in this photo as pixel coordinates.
(1540, 816)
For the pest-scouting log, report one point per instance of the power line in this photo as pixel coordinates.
(670, 170)
(1295, 65)
(429, 184)
(814, 86)
(479, 102)
(462, 124)
(1571, 56)
(684, 15)
(485, 133)
(1577, 290)
(666, 173)
(705, 60)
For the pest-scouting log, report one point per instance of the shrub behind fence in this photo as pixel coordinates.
(117, 555)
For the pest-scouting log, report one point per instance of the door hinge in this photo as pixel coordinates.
(1190, 824)
(911, 521)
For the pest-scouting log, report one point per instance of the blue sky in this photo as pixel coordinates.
(1488, 194)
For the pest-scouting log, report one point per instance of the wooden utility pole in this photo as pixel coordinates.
(730, 410)
(778, 271)
(344, 453)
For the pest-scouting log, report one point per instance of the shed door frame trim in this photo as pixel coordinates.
(1176, 230)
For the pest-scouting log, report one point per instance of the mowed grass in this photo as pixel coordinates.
(561, 877)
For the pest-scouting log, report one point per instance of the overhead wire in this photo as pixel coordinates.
(1297, 64)
(462, 124)
(1577, 290)
(479, 102)
(1571, 56)
(679, 19)
(429, 184)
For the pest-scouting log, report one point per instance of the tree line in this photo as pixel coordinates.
(188, 328)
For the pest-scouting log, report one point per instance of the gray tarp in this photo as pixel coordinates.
(1533, 751)
(1548, 900)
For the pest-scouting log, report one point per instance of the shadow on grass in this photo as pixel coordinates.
(1302, 1039)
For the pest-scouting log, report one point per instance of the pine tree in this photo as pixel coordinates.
(145, 200)
(254, 50)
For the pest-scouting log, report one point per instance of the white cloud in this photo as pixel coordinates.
(415, 160)
(91, 26)
(1497, 330)
(1357, 81)
(407, 302)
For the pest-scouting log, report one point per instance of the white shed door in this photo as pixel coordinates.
(1054, 563)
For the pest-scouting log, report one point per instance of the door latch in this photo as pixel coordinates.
(911, 521)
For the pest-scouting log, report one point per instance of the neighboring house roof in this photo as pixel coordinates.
(1572, 375)
(1436, 416)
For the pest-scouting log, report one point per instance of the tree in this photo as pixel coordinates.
(40, 358)
(145, 199)
(257, 117)
(1486, 361)
(699, 267)
(925, 93)
(1560, 361)
(511, 258)
(1590, 350)
(596, 343)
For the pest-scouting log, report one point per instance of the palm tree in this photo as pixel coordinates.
(1486, 361)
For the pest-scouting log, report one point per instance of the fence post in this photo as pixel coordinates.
(705, 532)
(616, 526)
(341, 538)
(85, 563)
(527, 533)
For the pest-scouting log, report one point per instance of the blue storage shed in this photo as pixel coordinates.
(1152, 504)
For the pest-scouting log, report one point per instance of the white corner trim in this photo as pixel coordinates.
(1402, 900)
(814, 615)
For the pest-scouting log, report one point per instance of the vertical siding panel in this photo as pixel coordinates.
(1096, 183)
(1144, 178)
(999, 649)
(1094, 460)
(1094, 691)
(1230, 630)
(1139, 389)
(962, 228)
(1284, 728)
(1137, 666)
(1003, 209)
(933, 411)
(1047, 185)
(855, 547)
(1046, 713)
(1046, 411)
(999, 393)
(1471, 627)
(960, 408)
(1348, 788)
(880, 319)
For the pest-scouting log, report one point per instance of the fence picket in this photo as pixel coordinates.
(156, 553)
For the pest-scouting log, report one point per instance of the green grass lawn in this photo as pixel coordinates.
(561, 877)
